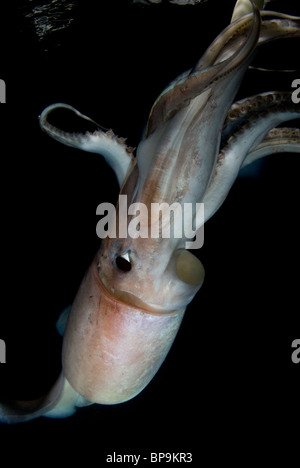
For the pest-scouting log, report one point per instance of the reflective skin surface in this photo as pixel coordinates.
(122, 323)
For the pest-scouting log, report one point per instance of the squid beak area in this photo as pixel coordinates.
(112, 349)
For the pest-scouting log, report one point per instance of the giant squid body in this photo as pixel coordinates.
(133, 297)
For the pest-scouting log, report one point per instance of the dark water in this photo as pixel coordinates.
(231, 362)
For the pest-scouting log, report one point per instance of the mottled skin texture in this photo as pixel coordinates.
(127, 344)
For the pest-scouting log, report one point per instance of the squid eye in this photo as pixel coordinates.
(123, 262)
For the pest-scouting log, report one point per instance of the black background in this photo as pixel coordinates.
(228, 381)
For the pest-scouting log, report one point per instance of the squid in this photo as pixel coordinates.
(133, 297)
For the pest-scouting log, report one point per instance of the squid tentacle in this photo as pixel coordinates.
(242, 7)
(277, 140)
(60, 402)
(241, 111)
(233, 155)
(114, 150)
(179, 94)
